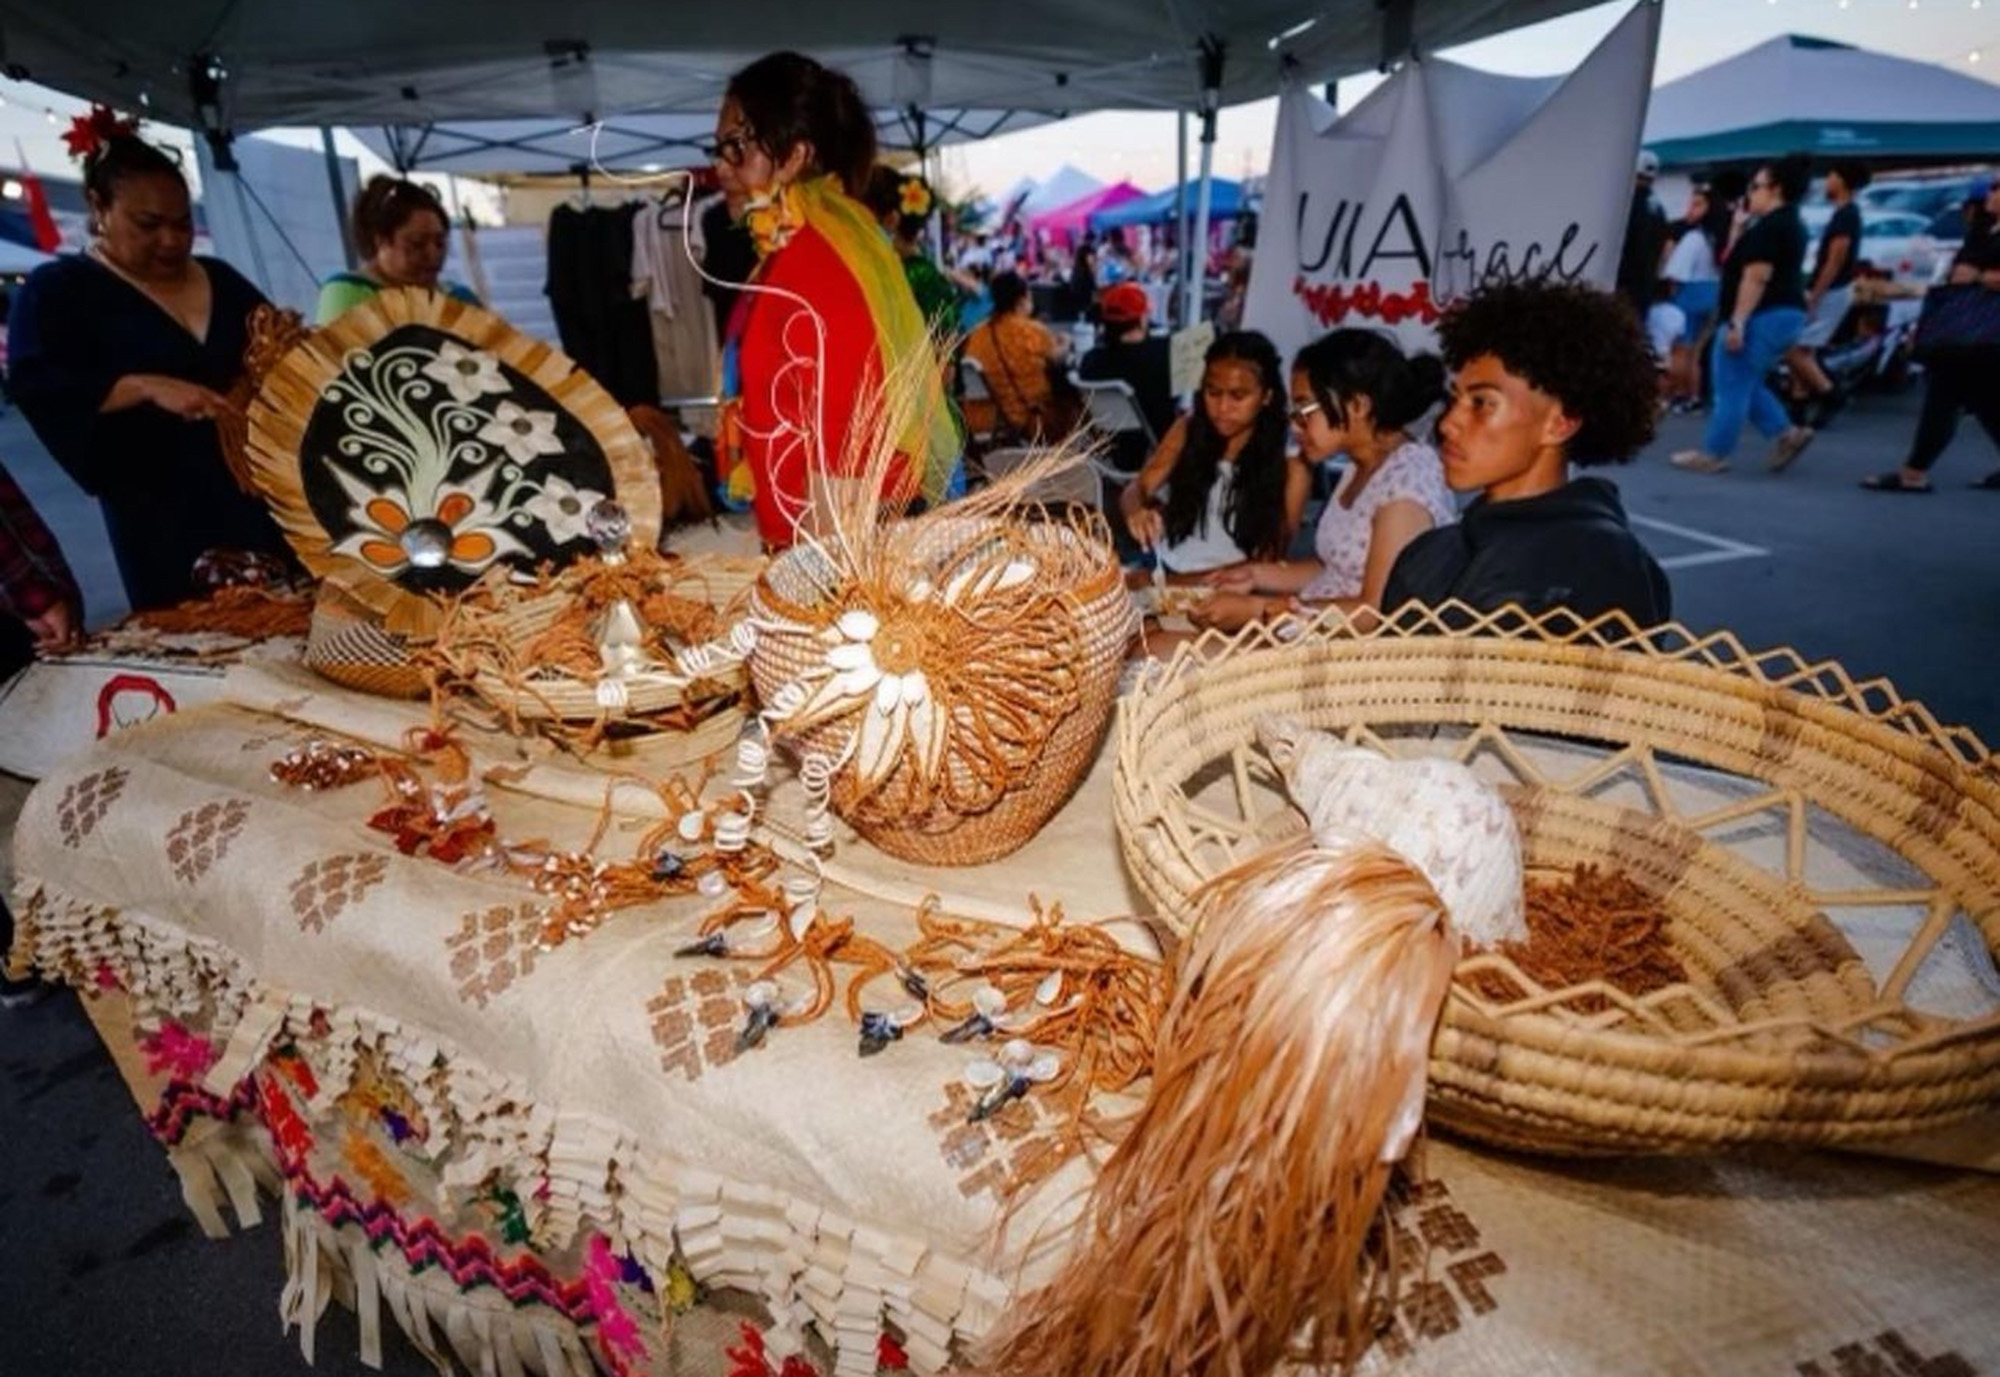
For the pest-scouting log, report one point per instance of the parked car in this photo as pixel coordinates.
(1937, 199)
(1897, 241)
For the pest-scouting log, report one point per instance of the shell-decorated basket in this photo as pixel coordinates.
(949, 698)
(1826, 857)
(416, 442)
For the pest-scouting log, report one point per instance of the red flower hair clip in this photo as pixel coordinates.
(87, 134)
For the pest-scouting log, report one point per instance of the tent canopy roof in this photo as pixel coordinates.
(1794, 94)
(1225, 201)
(1073, 217)
(400, 63)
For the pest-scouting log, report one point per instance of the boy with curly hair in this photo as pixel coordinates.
(1547, 376)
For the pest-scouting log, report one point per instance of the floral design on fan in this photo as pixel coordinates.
(443, 460)
(564, 508)
(903, 665)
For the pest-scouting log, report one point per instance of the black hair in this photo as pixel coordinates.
(789, 99)
(1855, 174)
(885, 198)
(1254, 516)
(1581, 346)
(1791, 175)
(121, 158)
(1009, 290)
(1347, 364)
(385, 205)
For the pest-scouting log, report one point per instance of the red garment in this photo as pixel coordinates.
(785, 403)
(33, 574)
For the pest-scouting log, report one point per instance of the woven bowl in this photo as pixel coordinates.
(347, 643)
(1718, 781)
(796, 599)
(513, 617)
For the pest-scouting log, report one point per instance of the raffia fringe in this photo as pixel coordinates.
(806, 1264)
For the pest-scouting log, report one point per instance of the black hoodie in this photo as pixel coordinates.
(1568, 548)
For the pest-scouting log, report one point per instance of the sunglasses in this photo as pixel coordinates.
(731, 148)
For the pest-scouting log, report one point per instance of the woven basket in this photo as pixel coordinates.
(544, 695)
(348, 644)
(1711, 782)
(795, 601)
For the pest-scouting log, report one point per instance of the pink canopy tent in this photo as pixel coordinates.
(1066, 222)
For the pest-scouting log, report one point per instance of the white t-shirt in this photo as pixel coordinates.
(1209, 545)
(1693, 259)
(1412, 473)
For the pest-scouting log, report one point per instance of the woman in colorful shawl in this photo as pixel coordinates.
(829, 314)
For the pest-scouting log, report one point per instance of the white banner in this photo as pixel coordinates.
(1443, 179)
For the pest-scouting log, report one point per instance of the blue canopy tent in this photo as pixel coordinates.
(1225, 202)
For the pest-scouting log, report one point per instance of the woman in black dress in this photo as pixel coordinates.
(120, 359)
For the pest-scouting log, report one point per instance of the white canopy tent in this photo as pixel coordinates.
(223, 67)
(1809, 95)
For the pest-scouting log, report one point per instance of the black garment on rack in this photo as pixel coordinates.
(603, 326)
(729, 255)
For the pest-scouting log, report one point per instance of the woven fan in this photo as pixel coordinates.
(415, 442)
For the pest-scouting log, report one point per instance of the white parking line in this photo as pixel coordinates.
(1721, 549)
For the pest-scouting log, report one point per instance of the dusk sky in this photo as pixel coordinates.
(1694, 33)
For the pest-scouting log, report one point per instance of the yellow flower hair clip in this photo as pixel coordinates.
(915, 198)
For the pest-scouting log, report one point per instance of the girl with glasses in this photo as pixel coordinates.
(805, 355)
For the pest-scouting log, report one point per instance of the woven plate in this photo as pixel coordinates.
(1823, 851)
(417, 414)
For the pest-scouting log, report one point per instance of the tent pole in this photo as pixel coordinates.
(338, 188)
(1181, 206)
(1211, 101)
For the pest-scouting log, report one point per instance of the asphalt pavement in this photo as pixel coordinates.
(104, 1273)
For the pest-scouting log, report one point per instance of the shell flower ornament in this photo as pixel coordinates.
(1012, 1072)
(459, 528)
(467, 374)
(523, 434)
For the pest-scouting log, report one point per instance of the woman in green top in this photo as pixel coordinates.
(401, 233)
(903, 204)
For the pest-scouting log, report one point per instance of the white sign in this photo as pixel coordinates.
(1187, 354)
(1444, 179)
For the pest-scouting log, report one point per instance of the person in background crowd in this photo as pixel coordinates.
(1666, 324)
(1547, 376)
(794, 144)
(1691, 265)
(401, 234)
(1119, 265)
(121, 357)
(1958, 380)
(1762, 311)
(1021, 359)
(975, 308)
(1220, 489)
(903, 204)
(1353, 393)
(1831, 292)
(1645, 233)
(1082, 297)
(1131, 354)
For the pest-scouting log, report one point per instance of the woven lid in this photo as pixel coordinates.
(1436, 814)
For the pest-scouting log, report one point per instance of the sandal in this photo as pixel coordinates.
(1695, 461)
(1892, 482)
(1990, 483)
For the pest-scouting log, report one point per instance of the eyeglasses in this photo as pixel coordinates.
(1298, 411)
(731, 148)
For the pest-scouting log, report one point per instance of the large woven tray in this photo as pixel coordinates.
(1825, 853)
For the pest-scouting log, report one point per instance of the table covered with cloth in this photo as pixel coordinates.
(549, 1160)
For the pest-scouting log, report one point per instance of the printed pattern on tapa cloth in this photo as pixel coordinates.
(696, 1018)
(329, 885)
(493, 948)
(1888, 1354)
(85, 802)
(1450, 1288)
(1002, 1150)
(202, 836)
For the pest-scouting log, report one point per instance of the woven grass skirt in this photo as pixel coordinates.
(972, 817)
(1756, 799)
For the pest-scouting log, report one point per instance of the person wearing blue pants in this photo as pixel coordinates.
(1763, 310)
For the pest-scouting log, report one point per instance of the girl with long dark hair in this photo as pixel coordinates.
(1220, 490)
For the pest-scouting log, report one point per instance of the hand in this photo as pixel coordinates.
(1147, 526)
(59, 628)
(1732, 338)
(1228, 611)
(1240, 578)
(189, 401)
